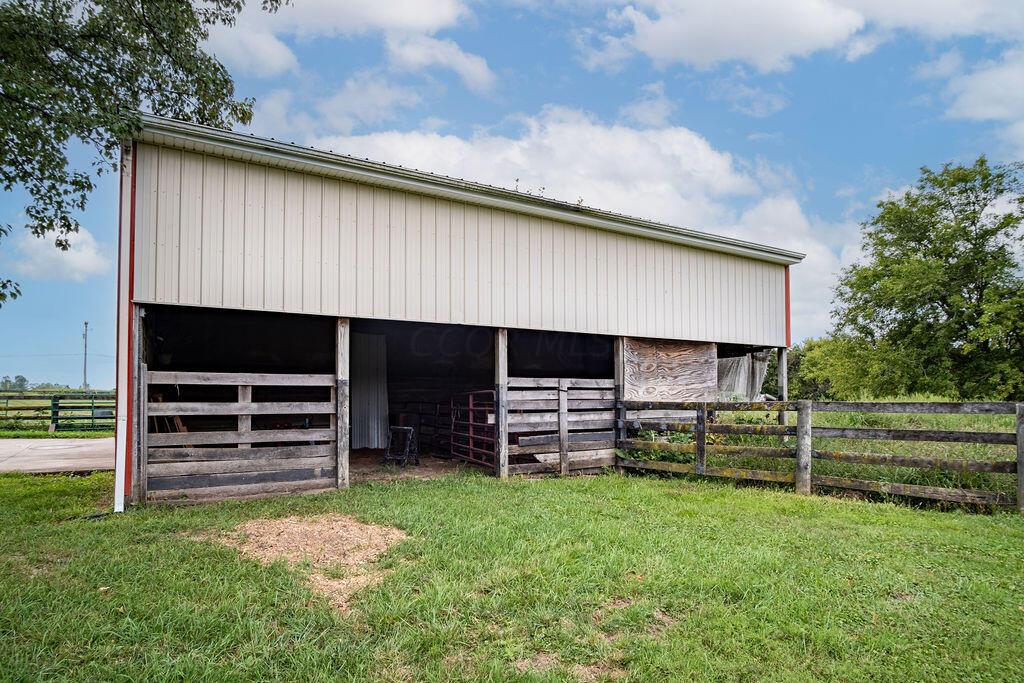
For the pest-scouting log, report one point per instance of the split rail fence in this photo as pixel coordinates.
(264, 441)
(696, 418)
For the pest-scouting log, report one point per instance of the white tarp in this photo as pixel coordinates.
(740, 378)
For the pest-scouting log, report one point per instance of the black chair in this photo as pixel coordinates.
(402, 446)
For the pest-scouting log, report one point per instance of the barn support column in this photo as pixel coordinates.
(342, 398)
(783, 375)
(620, 396)
(501, 402)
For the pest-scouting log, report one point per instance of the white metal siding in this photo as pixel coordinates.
(225, 233)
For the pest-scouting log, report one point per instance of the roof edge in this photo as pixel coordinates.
(421, 182)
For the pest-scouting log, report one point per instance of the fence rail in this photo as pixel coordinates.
(804, 453)
(58, 412)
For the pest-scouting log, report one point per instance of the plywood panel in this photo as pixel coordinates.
(242, 235)
(665, 370)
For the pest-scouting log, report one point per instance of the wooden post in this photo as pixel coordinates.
(501, 402)
(143, 434)
(139, 398)
(563, 426)
(341, 407)
(244, 421)
(54, 413)
(783, 375)
(620, 389)
(1020, 457)
(803, 447)
(700, 436)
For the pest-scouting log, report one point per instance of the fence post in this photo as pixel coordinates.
(54, 413)
(1020, 457)
(563, 426)
(802, 478)
(700, 435)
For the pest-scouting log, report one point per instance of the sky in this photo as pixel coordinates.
(779, 122)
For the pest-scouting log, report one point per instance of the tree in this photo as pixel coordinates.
(935, 305)
(82, 70)
(20, 383)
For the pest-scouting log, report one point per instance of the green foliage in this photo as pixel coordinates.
(936, 305)
(82, 70)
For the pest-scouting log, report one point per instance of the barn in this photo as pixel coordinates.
(281, 308)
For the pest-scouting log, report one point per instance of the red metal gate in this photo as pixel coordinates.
(472, 437)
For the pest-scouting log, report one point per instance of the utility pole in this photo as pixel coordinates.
(85, 357)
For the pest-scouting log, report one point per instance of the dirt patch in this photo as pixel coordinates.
(367, 465)
(587, 673)
(340, 550)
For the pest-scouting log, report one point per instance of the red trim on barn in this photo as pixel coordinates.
(789, 339)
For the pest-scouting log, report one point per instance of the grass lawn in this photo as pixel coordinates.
(633, 578)
(63, 434)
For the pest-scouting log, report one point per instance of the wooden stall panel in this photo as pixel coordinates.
(666, 370)
(184, 465)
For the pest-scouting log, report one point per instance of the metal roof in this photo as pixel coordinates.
(231, 144)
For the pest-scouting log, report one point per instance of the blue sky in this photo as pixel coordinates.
(779, 122)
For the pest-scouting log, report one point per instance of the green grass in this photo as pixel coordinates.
(63, 434)
(656, 578)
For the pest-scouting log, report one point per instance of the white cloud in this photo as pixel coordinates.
(416, 52)
(252, 51)
(365, 99)
(652, 109)
(667, 173)
(770, 35)
(946, 65)
(368, 98)
(747, 99)
(38, 258)
(993, 91)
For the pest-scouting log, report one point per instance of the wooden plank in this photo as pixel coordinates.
(976, 408)
(521, 418)
(752, 475)
(802, 480)
(563, 425)
(184, 408)
(169, 455)
(657, 466)
(501, 400)
(915, 490)
(230, 378)
(700, 440)
(258, 436)
(752, 429)
(572, 447)
(173, 469)
(552, 404)
(342, 350)
(853, 457)
(620, 391)
(553, 426)
(240, 478)
(552, 394)
(669, 370)
(733, 406)
(241, 492)
(719, 450)
(552, 382)
(573, 437)
(143, 434)
(670, 415)
(915, 435)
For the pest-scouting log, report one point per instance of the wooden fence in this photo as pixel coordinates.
(693, 418)
(199, 450)
(58, 412)
(564, 424)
